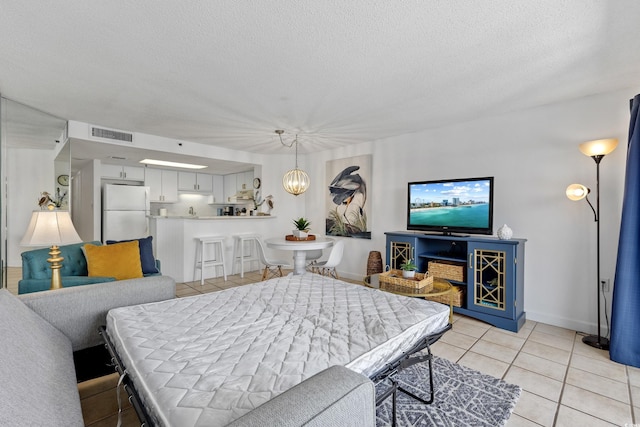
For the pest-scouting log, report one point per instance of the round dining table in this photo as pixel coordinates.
(299, 248)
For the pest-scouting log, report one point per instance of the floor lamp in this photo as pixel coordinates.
(596, 150)
(51, 228)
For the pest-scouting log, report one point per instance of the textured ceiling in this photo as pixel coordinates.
(229, 72)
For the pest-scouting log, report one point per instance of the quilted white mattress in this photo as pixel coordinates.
(208, 359)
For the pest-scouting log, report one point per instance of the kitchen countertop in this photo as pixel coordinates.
(212, 217)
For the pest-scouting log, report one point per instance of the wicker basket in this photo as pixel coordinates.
(421, 281)
(448, 270)
(456, 295)
(374, 263)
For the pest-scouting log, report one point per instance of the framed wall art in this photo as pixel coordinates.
(347, 197)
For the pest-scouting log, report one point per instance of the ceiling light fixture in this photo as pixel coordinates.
(171, 164)
(296, 181)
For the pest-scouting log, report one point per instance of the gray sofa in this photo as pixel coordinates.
(40, 331)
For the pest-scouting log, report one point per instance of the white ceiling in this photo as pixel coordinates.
(228, 72)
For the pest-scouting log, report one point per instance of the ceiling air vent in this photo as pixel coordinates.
(111, 135)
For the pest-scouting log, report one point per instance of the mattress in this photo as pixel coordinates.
(209, 359)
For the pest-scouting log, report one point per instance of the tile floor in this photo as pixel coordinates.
(564, 382)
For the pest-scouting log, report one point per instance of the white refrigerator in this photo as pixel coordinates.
(125, 211)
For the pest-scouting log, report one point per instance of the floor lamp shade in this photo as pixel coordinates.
(598, 147)
(51, 228)
(577, 192)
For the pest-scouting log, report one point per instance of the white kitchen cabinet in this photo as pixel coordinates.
(204, 182)
(244, 180)
(218, 189)
(163, 185)
(128, 173)
(230, 188)
(192, 181)
(187, 181)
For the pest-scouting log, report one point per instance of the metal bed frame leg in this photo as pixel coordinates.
(393, 402)
(404, 362)
(412, 361)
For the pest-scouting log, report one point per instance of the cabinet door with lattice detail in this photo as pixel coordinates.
(399, 250)
(491, 284)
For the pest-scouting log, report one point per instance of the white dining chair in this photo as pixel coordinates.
(312, 258)
(328, 267)
(272, 268)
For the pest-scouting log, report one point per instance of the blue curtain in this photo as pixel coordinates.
(625, 315)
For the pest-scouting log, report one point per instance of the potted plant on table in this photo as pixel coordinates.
(302, 228)
(408, 269)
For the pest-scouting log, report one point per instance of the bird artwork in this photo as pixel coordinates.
(269, 200)
(45, 200)
(348, 191)
(258, 201)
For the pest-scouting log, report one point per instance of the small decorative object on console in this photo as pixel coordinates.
(408, 269)
(504, 232)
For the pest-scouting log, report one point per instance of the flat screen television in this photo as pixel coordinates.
(451, 206)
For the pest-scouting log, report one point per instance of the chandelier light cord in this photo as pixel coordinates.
(295, 141)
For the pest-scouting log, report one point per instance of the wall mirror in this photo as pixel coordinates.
(29, 144)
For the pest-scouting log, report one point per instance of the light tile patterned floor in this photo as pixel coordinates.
(564, 382)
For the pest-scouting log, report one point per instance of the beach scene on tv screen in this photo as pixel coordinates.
(450, 204)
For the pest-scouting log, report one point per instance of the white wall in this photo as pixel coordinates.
(533, 156)
(86, 204)
(29, 173)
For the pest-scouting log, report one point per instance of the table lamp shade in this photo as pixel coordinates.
(48, 228)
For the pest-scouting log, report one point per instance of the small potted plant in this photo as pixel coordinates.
(302, 228)
(408, 269)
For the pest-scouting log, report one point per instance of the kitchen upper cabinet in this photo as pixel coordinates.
(204, 182)
(235, 182)
(244, 180)
(230, 188)
(128, 173)
(192, 181)
(218, 189)
(163, 185)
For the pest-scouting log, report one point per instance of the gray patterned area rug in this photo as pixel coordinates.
(464, 397)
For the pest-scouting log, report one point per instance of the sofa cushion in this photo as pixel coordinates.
(146, 254)
(35, 265)
(120, 260)
(36, 366)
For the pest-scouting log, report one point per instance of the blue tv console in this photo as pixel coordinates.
(490, 271)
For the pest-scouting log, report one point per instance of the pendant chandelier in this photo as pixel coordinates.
(296, 181)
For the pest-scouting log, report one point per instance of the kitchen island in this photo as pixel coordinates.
(174, 241)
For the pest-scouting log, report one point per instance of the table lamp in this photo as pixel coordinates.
(51, 227)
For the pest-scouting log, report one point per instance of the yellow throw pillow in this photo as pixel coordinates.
(121, 260)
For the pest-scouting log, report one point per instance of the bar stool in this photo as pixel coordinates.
(244, 250)
(217, 245)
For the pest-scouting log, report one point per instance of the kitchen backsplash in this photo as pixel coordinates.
(199, 202)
